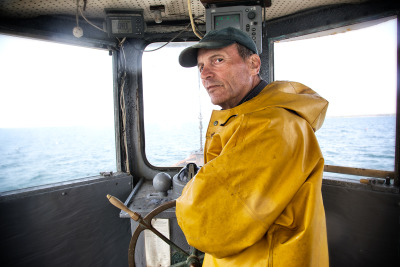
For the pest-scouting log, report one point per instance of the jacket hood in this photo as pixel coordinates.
(292, 96)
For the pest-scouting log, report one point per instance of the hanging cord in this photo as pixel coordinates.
(79, 10)
(191, 20)
(123, 110)
(121, 47)
(122, 104)
(77, 13)
(176, 36)
(83, 16)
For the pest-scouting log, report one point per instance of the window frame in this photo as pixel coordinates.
(107, 47)
(325, 31)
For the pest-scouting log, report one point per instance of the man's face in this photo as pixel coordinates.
(226, 76)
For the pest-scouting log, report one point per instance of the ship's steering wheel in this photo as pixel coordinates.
(193, 259)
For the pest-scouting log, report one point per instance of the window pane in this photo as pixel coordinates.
(56, 106)
(356, 72)
(174, 101)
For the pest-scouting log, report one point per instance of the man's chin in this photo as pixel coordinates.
(216, 102)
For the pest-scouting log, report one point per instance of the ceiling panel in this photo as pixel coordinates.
(174, 9)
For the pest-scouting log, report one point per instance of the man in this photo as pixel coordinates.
(257, 199)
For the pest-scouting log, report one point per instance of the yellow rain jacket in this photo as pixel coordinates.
(257, 200)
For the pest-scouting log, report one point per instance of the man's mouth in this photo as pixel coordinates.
(212, 87)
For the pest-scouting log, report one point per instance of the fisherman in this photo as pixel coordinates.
(257, 200)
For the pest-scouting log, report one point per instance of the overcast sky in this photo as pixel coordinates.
(41, 82)
(355, 71)
(49, 84)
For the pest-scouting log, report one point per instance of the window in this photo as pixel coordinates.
(175, 107)
(56, 113)
(356, 72)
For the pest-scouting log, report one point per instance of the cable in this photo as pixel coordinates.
(191, 20)
(83, 16)
(121, 46)
(176, 36)
(123, 110)
(77, 15)
(77, 31)
(122, 104)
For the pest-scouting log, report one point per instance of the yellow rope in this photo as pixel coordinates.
(191, 19)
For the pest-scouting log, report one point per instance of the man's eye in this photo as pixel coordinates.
(219, 60)
(201, 69)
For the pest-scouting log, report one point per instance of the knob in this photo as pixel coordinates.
(162, 183)
(251, 15)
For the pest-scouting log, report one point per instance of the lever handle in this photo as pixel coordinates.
(118, 203)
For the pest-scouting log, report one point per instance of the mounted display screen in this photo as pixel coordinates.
(224, 21)
(245, 18)
(125, 23)
(121, 26)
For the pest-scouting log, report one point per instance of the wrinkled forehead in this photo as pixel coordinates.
(204, 53)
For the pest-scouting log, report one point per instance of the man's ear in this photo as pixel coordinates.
(255, 64)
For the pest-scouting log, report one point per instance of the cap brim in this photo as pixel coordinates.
(188, 56)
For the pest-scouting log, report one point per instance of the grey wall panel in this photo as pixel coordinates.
(73, 225)
(363, 226)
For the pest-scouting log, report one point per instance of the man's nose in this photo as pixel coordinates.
(206, 73)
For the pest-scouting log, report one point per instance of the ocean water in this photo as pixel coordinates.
(38, 156)
(361, 142)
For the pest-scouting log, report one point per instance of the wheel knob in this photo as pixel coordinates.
(162, 183)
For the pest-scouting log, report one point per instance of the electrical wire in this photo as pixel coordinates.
(123, 111)
(83, 16)
(191, 20)
(176, 36)
(194, 28)
(77, 15)
(122, 103)
(121, 46)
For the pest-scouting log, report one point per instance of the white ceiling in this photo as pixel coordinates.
(174, 9)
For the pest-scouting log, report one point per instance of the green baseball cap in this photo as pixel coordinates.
(216, 39)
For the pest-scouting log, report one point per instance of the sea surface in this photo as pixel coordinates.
(38, 156)
(362, 142)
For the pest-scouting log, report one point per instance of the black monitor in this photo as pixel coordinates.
(125, 23)
(245, 18)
